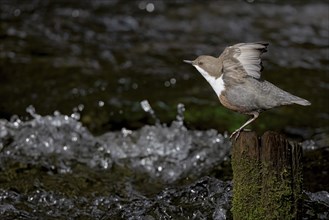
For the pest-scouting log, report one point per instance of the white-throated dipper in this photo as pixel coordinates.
(235, 76)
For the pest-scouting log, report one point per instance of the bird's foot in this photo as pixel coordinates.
(237, 132)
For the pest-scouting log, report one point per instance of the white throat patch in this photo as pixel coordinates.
(217, 84)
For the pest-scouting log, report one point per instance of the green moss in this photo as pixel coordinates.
(247, 188)
(276, 193)
(263, 189)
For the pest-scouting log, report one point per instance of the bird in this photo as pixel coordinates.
(235, 76)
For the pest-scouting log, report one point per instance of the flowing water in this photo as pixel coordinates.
(101, 119)
(52, 167)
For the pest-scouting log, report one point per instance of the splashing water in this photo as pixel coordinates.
(167, 152)
(147, 108)
(51, 141)
(180, 113)
(116, 171)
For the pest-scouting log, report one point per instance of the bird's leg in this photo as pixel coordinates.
(237, 131)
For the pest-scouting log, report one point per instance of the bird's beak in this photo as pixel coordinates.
(188, 61)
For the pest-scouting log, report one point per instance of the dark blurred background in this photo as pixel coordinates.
(105, 57)
(97, 61)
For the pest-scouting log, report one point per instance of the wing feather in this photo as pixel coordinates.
(245, 58)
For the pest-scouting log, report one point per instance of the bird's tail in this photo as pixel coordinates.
(292, 99)
(301, 101)
(280, 97)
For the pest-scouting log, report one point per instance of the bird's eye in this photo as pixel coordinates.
(200, 63)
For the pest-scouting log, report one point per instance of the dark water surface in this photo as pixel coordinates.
(110, 55)
(78, 141)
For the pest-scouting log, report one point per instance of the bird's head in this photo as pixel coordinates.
(207, 65)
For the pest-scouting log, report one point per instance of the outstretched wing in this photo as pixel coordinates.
(244, 59)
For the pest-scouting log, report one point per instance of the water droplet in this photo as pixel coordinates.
(101, 103)
(173, 81)
(31, 110)
(81, 107)
(125, 132)
(74, 138)
(105, 164)
(180, 112)
(150, 7)
(75, 115)
(46, 144)
(3, 132)
(146, 106)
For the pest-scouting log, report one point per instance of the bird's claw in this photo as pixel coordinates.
(237, 132)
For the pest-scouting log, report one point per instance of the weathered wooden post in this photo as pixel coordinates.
(247, 179)
(267, 177)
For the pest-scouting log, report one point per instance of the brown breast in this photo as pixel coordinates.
(230, 105)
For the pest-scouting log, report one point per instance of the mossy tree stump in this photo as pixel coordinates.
(267, 177)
